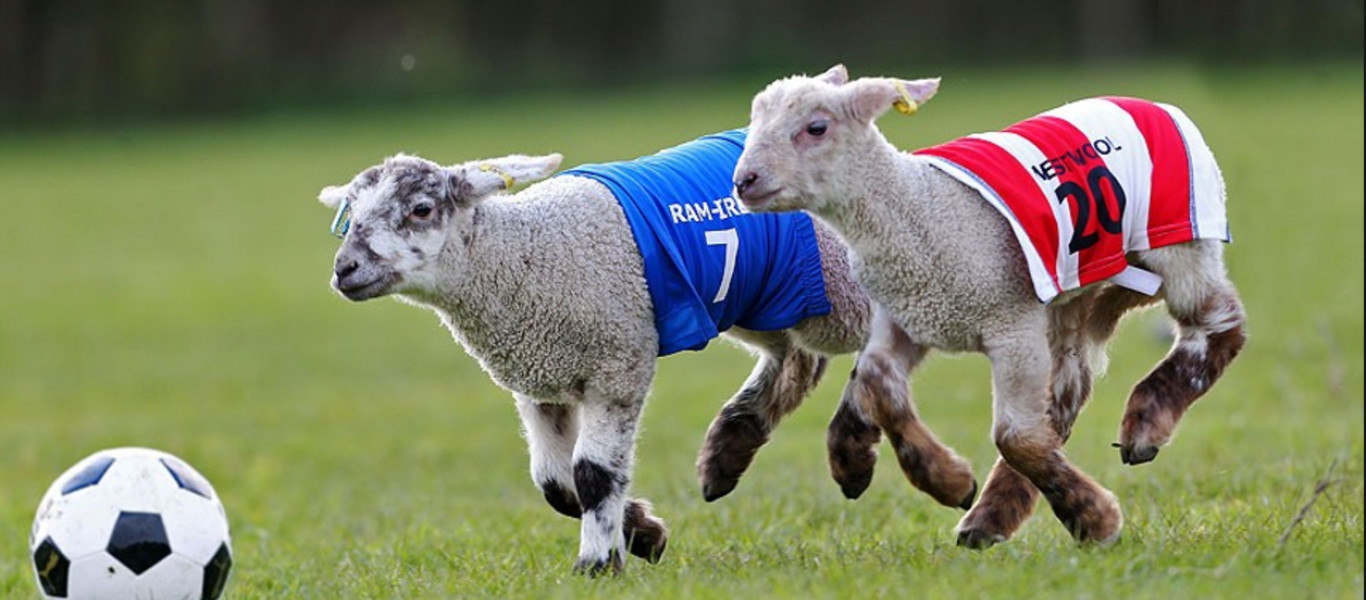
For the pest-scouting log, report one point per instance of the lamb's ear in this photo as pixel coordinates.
(332, 195)
(871, 96)
(836, 75)
(484, 177)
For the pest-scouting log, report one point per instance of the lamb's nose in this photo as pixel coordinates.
(344, 267)
(746, 182)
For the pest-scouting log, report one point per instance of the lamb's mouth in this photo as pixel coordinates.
(374, 288)
(755, 201)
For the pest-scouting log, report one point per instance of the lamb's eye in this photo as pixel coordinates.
(422, 211)
(817, 128)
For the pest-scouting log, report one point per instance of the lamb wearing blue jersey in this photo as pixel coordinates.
(695, 238)
(567, 291)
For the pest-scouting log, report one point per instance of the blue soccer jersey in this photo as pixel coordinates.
(709, 264)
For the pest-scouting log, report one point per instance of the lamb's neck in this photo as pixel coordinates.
(886, 199)
(482, 276)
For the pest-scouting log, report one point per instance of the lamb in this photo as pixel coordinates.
(931, 246)
(546, 289)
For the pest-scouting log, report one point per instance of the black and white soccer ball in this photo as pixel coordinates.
(131, 523)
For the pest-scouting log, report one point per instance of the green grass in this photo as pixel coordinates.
(166, 285)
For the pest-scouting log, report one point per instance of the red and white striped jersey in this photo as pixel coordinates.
(1085, 183)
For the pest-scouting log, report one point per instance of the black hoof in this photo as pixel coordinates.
(649, 549)
(854, 485)
(646, 536)
(1136, 456)
(716, 489)
(851, 448)
(972, 495)
(732, 440)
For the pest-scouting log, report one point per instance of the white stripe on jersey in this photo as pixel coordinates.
(1098, 118)
(1208, 215)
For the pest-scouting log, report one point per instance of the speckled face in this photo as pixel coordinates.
(401, 214)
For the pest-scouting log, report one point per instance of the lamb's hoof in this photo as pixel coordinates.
(978, 539)
(854, 484)
(966, 504)
(852, 462)
(718, 488)
(649, 549)
(1098, 521)
(647, 536)
(612, 565)
(731, 443)
(1137, 455)
(1143, 431)
(1102, 539)
(851, 447)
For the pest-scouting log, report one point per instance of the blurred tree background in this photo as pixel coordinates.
(63, 60)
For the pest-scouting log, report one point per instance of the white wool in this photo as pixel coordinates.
(947, 268)
(545, 288)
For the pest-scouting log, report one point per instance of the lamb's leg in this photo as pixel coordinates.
(1006, 502)
(603, 459)
(1008, 499)
(1110, 305)
(851, 442)
(881, 387)
(783, 377)
(1210, 318)
(1028, 441)
(551, 431)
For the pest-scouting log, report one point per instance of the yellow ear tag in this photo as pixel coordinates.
(507, 179)
(904, 105)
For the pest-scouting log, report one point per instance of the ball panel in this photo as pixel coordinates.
(194, 526)
(88, 476)
(101, 577)
(187, 478)
(79, 524)
(216, 573)
(138, 483)
(52, 506)
(139, 541)
(52, 568)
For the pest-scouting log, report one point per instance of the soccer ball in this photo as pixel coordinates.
(131, 523)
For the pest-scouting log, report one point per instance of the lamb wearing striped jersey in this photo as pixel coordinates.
(1026, 245)
(546, 289)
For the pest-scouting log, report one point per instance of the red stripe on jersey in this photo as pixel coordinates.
(1014, 185)
(1169, 212)
(1061, 140)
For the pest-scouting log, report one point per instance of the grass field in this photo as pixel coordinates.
(165, 285)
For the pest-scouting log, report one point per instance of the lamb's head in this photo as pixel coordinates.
(396, 219)
(804, 131)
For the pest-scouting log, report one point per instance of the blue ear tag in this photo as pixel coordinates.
(342, 222)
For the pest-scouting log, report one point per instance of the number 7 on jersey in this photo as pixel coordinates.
(731, 241)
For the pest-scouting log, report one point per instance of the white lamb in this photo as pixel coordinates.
(545, 289)
(936, 244)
